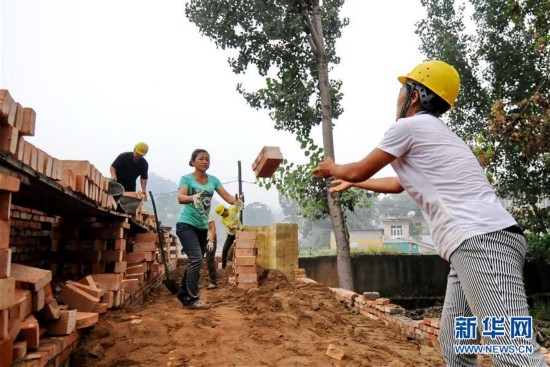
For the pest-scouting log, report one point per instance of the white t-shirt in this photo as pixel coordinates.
(443, 176)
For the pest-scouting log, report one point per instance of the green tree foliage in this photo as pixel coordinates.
(291, 43)
(503, 110)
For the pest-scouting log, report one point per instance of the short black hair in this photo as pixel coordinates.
(194, 155)
(430, 101)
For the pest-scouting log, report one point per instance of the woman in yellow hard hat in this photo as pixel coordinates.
(470, 228)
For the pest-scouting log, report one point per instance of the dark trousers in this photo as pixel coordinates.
(193, 242)
(226, 246)
(211, 263)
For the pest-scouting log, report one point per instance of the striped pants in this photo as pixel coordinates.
(486, 280)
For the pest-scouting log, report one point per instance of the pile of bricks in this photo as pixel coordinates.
(30, 236)
(244, 260)
(85, 179)
(95, 263)
(34, 329)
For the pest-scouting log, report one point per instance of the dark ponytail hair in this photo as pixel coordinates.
(194, 155)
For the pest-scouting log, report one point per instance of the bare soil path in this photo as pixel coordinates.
(281, 323)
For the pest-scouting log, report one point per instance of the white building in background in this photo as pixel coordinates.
(394, 236)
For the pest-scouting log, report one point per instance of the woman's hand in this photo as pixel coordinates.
(324, 169)
(340, 185)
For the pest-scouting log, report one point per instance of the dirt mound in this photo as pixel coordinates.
(281, 323)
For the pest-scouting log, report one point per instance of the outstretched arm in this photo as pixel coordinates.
(386, 185)
(357, 171)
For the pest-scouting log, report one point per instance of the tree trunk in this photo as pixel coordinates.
(343, 259)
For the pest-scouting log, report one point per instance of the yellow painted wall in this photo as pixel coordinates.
(277, 247)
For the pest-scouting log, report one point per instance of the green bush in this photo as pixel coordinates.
(538, 247)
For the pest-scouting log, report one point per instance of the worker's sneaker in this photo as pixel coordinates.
(197, 305)
(212, 286)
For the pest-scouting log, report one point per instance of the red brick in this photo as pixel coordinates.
(267, 161)
(30, 332)
(19, 350)
(76, 298)
(246, 278)
(65, 325)
(245, 260)
(135, 257)
(5, 263)
(109, 282)
(29, 121)
(7, 292)
(6, 352)
(86, 319)
(92, 291)
(144, 246)
(9, 183)
(9, 139)
(246, 235)
(23, 298)
(36, 278)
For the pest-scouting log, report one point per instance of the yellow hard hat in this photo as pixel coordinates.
(141, 148)
(440, 77)
(219, 209)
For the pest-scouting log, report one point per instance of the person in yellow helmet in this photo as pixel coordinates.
(470, 228)
(232, 222)
(128, 166)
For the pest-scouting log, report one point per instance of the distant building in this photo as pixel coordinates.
(409, 235)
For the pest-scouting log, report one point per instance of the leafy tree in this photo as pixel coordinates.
(503, 110)
(291, 44)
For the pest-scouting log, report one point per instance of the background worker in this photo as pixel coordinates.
(470, 227)
(232, 222)
(128, 166)
(211, 246)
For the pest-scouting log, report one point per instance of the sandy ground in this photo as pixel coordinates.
(281, 323)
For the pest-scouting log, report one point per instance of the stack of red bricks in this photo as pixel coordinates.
(30, 236)
(244, 262)
(371, 305)
(34, 329)
(299, 273)
(85, 179)
(88, 246)
(17, 122)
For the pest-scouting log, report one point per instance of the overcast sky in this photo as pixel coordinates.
(103, 75)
